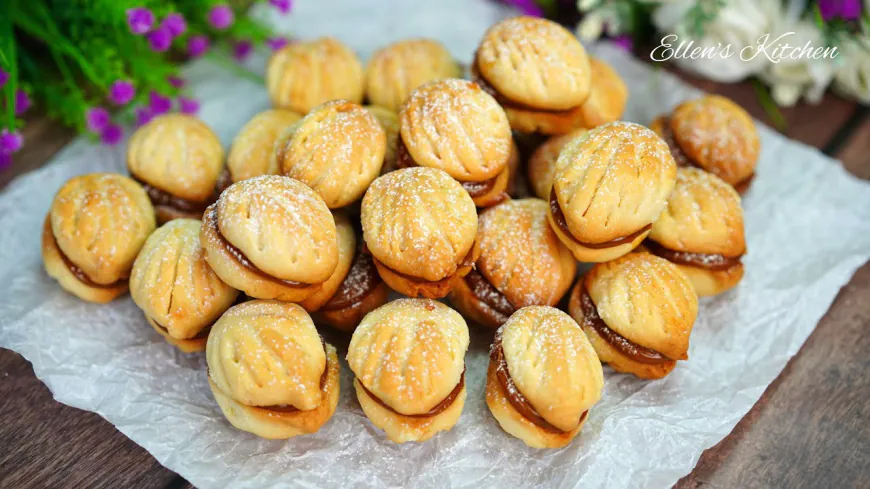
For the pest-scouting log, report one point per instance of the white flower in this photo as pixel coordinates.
(738, 24)
(587, 5)
(591, 27)
(595, 22)
(853, 76)
(805, 76)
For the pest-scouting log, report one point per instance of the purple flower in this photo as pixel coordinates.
(220, 16)
(159, 104)
(276, 43)
(143, 116)
(4, 77)
(96, 119)
(844, 9)
(242, 49)
(140, 20)
(623, 42)
(5, 160)
(160, 39)
(10, 142)
(121, 92)
(112, 135)
(175, 81)
(22, 102)
(175, 23)
(188, 105)
(197, 46)
(527, 7)
(283, 6)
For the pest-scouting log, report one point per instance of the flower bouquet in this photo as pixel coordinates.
(94, 65)
(796, 48)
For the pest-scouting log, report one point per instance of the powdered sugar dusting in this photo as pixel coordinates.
(455, 126)
(419, 221)
(521, 255)
(410, 353)
(282, 226)
(647, 300)
(552, 364)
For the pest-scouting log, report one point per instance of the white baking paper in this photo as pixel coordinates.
(807, 225)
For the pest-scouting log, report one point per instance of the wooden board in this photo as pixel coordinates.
(45, 444)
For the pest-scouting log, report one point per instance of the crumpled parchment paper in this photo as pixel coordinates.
(808, 230)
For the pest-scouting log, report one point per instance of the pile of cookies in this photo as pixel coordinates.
(323, 206)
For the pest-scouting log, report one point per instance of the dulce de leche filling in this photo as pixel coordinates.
(438, 409)
(203, 334)
(559, 217)
(707, 261)
(74, 269)
(683, 159)
(514, 396)
(635, 352)
(162, 198)
(361, 280)
(474, 189)
(486, 293)
(466, 262)
(210, 218)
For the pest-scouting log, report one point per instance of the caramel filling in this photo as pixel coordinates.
(211, 219)
(514, 396)
(361, 280)
(485, 292)
(77, 272)
(466, 262)
(682, 159)
(203, 334)
(503, 100)
(707, 261)
(635, 352)
(474, 189)
(162, 198)
(559, 217)
(438, 409)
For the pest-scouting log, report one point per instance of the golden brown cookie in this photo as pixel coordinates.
(253, 152)
(543, 377)
(394, 71)
(419, 225)
(270, 372)
(701, 231)
(408, 360)
(607, 96)
(535, 63)
(610, 185)
(271, 237)
(172, 283)
(638, 312)
(179, 161)
(95, 228)
(303, 75)
(453, 125)
(337, 150)
(353, 289)
(542, 163)
(521, 263)
(714, 134)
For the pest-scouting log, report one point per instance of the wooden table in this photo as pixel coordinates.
(808, 430)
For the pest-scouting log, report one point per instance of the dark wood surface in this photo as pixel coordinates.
(810, 428)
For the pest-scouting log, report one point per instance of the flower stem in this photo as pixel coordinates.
(769, 106)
